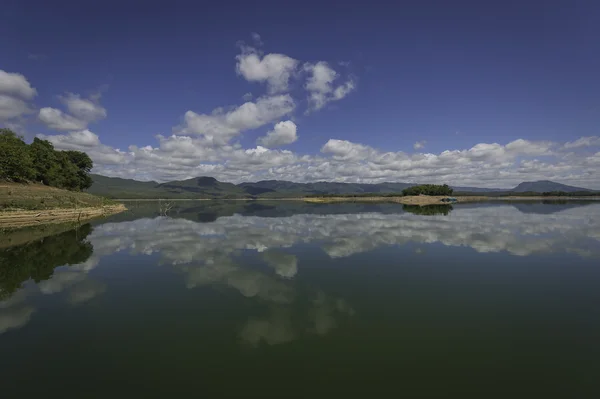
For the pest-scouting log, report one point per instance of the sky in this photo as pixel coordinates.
(469, 93)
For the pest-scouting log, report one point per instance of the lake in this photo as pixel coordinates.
(287, 299)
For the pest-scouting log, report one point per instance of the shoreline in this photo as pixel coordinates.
(16, 219)
(424, 200)
(421, 200)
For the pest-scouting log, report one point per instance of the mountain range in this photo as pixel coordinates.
(209, 187)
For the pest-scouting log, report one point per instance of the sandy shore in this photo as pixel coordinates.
(18, 219)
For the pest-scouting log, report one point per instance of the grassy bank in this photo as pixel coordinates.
(19, 196)
(23, 205)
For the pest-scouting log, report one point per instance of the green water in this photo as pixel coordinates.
(286, 299)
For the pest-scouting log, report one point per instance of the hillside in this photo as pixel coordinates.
(199, 187)
(38, 197)
(542, 186)
(209, 187)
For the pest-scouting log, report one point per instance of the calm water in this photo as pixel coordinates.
(289, 299)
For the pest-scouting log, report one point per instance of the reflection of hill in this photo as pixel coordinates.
(547, 207)
(38, 259)
(210, 211)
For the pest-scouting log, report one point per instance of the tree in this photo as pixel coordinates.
(44, 156)
(40, 162)
(84, 165)
(15, 161)
(428, 189)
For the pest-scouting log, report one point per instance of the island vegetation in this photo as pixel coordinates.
(428, 189)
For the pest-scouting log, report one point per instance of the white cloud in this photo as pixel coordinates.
(83, 109)
(88, 142)
(219, 127)
(590, 141)
(283, 133)
(257, 39)
(320, 85)
(419, 144)
(55, 119)
(82, 112)
(11, 107)
(204, 144)
(275, 69)
(484, 164)
(15, 91)
(347, 150)
(16, 85)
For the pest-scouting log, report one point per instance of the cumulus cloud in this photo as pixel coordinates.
(274, 69)
(11, 107)
(590, 141)
(89, 142)
(16, 85)
(81, 112)
(55, 119)
(206, 144)
(15, 91)
(83, 109)
(283, 133)
(484, 164)
(419, 144)
(221, 126)
(320, 85)
(347, 150)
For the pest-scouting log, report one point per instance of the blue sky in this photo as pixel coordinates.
(466, 92)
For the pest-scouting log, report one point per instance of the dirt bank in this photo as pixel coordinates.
(14, 219)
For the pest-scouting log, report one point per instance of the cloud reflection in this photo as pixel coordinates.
(484, 229)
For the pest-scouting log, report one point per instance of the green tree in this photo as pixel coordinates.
(15, 162)
(428, 189)
(40, 162)
(84, 165)
(44, 161)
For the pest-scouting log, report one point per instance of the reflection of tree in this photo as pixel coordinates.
(428, 209)
(37, 260)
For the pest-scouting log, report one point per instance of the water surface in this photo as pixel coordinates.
(286, 299)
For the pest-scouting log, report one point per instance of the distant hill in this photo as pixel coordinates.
(198, 187)
(543, 186)
(209, 187)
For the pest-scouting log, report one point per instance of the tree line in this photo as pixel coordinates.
(40, 162)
